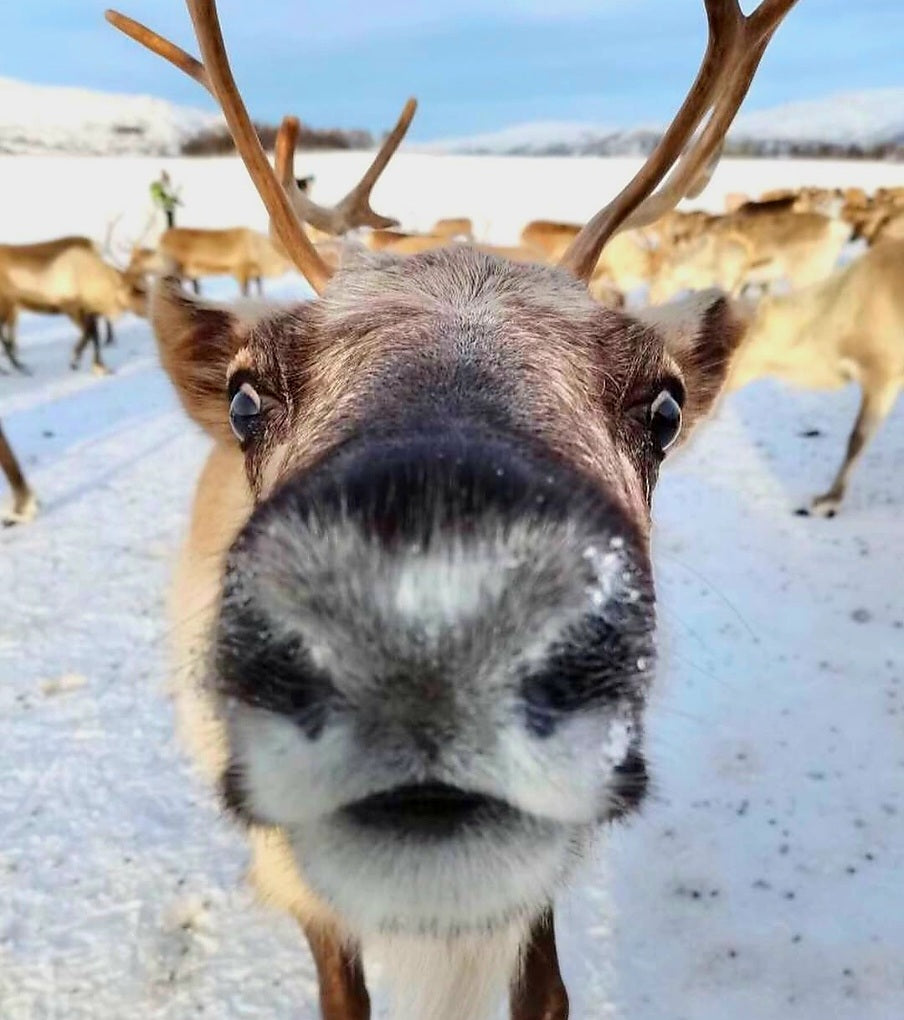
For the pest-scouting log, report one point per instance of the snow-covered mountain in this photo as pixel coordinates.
(44, 118)
(53, 119)
(866, 120)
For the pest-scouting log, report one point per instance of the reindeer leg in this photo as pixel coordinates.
(97, 367)
(10, 346)
(539, 993)
(875, 405)
(196, 285)
(110, 338)
(9, 350)
(260, 286)
(343, 994)
(84, 323)
(25, 505)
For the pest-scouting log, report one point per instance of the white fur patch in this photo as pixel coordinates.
(436, 589)
(465, 978)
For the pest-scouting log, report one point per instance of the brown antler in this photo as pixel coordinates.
(734, 49)
(285, 204)
(215, 75)
(354, 210)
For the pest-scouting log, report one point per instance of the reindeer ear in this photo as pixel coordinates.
(197, 341)
(701, 334)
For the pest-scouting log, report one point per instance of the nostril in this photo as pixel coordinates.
(260, 670)
(596, 666)
(539, 707)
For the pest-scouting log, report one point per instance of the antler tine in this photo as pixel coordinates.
(735, 46)
(282, 216)
(356, 204)
(161, 46)
(706, 174)
(696, 165)
(354, 210)
(215, 75)
(284, 151)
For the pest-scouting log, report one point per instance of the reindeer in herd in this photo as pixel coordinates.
(65, 276)
(415, 611)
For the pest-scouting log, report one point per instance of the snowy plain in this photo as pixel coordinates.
(765, 877)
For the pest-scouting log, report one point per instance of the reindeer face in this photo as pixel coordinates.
(436, 631)
(135, 294)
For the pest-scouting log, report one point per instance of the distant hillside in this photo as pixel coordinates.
(855, 124)
(39, 119)
(50, 119)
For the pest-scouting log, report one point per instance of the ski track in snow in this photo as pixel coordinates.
(762, 880)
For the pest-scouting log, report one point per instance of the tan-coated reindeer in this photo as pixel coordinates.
(193, 253)
(800, 248)
(625, 263)
(24, 505)
(456, 228)
(415, 610)
(849, 327)
(245, 254)
(65, 276)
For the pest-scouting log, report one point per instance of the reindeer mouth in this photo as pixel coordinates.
(434, 810)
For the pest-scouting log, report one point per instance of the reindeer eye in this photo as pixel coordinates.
(244, 412)
(665, 419)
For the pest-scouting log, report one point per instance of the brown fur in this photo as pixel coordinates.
(602, 288)
(568, 371)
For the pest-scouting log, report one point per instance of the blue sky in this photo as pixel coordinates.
(475, 65)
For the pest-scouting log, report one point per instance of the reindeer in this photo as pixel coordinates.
(849, 327)
(625, 263)
(9, 311)
(24, 505)
(458, 228)
(191, 253)
(754, 248)
(65, 276)
(415, 610)
(890, 228)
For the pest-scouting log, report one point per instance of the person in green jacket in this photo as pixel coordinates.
(165, 197)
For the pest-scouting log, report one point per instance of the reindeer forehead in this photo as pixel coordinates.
(456, 303)
(458, 279)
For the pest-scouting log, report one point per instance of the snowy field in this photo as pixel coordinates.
(763, 880)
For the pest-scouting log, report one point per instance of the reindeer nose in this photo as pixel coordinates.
(402, 585)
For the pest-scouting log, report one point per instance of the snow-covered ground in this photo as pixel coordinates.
(763, 879)
(48, 196)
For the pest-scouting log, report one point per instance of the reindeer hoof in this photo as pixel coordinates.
(22, 512)
(825, 506)
(100, 370)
